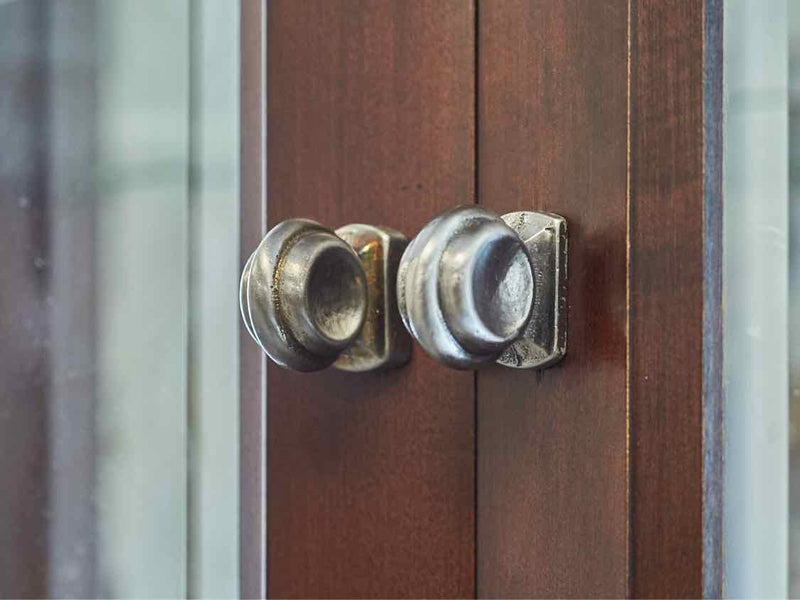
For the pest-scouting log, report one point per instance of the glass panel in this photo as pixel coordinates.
(142, 283)
(119, 218)
(756, 309)
(214, 301)
(794, 297)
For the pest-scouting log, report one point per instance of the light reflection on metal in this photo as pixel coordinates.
(311, 297)
(384, 343)
(475, 288)
(544, 341)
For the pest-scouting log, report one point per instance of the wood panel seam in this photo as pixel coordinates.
(476, 200)
(628, 507)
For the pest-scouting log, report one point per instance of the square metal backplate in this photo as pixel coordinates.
(545, 339)
(384, 342)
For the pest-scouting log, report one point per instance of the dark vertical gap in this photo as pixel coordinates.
(476, 106)
(475, 483)
(264, 373)
(476, 192)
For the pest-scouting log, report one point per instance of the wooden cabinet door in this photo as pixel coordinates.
(600, 476)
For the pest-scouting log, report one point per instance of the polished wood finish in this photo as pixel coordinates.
(675, 299)
(552, 467)
(371, 476)
(591, 475)
(598, 477)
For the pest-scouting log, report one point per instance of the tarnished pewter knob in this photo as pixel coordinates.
(311, 297)
(474, 287)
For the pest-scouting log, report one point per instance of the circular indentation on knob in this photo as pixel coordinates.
(322, 292)
(486, 286)
(303, 295)
(466, 287)
(503, 281)
(337, 296)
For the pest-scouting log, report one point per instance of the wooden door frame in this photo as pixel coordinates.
(645, 160)
(611, 115)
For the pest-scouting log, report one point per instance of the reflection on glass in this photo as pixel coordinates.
(755, 257)
(119, 237)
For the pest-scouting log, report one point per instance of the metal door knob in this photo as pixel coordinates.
(312, 297)
(473, 287)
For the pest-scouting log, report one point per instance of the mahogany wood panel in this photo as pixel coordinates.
(567, 506)
(552, 467)
(675, 299)
(370, 476)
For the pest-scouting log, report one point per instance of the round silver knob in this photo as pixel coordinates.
(303, 295)
(466, 286)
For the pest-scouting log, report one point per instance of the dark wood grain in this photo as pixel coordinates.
(599, 477)
(371, 476)
(675, 299)
(252, 467)
(552, 494)
(566, 507)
